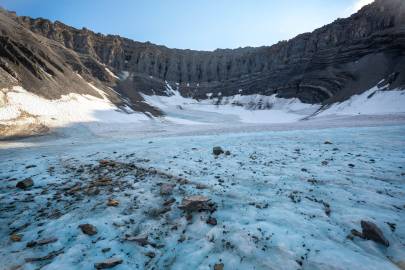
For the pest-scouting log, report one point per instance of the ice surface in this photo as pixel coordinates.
(270, 195)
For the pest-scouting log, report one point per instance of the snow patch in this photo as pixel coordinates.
(246, 109)
(375, 101)
(71, 108)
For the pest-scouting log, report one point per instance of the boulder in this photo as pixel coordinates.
(372, 232)
(140, 239)
(110, 263)
(41, 242)
(16, 237)
(212, 221)
(217, 150)
(24, 184)
(112, 202)
(194, 203)
(88, 229)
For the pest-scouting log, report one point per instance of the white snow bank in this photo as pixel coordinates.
(71, 108)
(246, 109)
(375, 101)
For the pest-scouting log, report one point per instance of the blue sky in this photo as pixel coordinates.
(193, 24)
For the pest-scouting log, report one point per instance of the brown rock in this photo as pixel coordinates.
(24, 184)
(212, 221)
(88, 229)
(219, 266)
(110, 263)
(372, 232)
(16, 237)
(112, 202)
(194, 203)
(42, 242)
(140, 239)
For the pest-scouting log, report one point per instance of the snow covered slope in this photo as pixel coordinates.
(21, 110)
(375, 101)
(259, 109)
(23, 113)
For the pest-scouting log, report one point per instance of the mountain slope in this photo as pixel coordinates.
(330, 64)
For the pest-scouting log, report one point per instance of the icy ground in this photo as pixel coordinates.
(271, 197)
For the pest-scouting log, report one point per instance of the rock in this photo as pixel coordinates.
(227, 153)
(49, 256)
(41, 242)
(194, 203)
(140, 239)
(112, 202)
(356, 233)
(212, 221)
(26, 183)
(30, 166)
(219, 266)
(166, 189)
(327, 208)
(16, 237)
(372, 232)
(105, 162)
(327, 142)
(169, 202)
(217, 150)
(104, 250)
(110, 263)
(351, 165)
(150, 254)
(201, 186)
(88, 229)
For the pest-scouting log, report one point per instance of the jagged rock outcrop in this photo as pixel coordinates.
(330, 64)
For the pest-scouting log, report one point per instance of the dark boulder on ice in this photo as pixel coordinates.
(141, 240)
(195, 203)
(26, 183)
(110, 263)
(217, 150)
(212, 221)
(372, 232)
(88, 229)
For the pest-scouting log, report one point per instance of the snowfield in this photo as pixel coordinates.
(290, 189)
(281, 200)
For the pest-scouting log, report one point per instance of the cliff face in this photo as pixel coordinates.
(330, 64)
